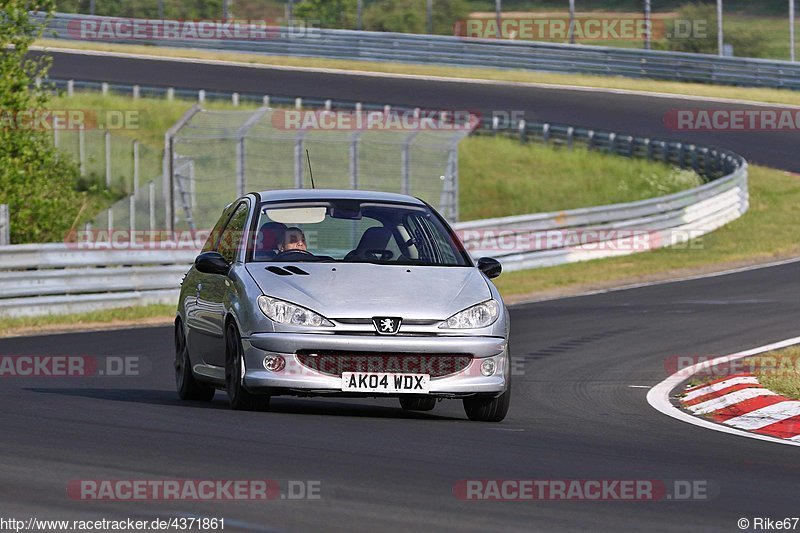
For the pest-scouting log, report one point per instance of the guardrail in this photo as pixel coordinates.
(59, 278)
(469, 52)
(63, 278)
(548, 239)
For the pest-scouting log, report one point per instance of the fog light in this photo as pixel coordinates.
(488, 367)
(274, 363)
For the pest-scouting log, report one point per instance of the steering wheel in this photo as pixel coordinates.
(293, 255)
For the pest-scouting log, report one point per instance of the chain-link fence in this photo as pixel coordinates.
(123, 166)
(216, 156)
(212, 157)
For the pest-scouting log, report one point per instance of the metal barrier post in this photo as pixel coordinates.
(151, 200)
(354, 159)
(82, 150)
(405, 164)
(108, 158)
(135, 167)
(240, 164)
(167, 167)
(5, 225)
(132, 217)
(298, 160)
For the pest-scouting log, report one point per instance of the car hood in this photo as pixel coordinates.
(364, 290)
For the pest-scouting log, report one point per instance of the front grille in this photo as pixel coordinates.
(406, 321)
(334, 364)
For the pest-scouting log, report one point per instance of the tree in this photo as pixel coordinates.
(329, 13)
(35, 181)
(408, 16)
(182, 9)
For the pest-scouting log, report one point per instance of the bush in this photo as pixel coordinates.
(329, 13)
(409, 16)
(745, 43)
(35, 181)
(178, 9)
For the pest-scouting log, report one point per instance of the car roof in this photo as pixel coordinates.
(284, 195)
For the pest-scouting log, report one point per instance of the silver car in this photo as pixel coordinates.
(341, 293)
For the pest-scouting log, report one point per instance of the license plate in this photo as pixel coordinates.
(386, 382)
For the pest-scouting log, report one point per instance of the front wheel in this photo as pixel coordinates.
(483, 409)
(188, 386)
(238, 397)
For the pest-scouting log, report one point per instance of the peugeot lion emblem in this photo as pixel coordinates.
(387, 325)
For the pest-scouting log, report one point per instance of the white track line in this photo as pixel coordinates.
(728, 400)
(722, 385)
(658, 396)
(765, 416)
(422, 77)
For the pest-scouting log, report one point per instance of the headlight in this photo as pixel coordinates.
(477, 316)
(291, 314)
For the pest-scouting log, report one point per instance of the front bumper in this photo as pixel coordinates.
(297, 378)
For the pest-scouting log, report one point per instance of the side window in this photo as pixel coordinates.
(213, 238)
(231, 238)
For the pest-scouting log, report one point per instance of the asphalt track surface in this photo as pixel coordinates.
(630, 114)
(578, 412)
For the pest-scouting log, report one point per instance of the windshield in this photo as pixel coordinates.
(354, 232)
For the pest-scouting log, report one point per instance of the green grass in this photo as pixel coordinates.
(780, 371)
(499, 177)
(774, 29)
(153, 118)
(114, 317)
(768, 231)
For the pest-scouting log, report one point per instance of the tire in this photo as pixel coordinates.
(188, 386)
(483, 409)
(411, 403)
(238, 397)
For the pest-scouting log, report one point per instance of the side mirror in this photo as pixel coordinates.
(489, 266)
(211, 263)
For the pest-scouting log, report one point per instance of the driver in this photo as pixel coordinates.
(293, 239)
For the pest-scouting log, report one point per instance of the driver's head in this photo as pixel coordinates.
(294, 239)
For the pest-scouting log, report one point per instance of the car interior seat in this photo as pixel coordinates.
(269, 237)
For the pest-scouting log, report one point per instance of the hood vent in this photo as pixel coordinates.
(287, 271)
(296, 270)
